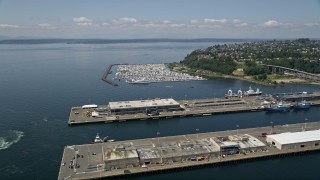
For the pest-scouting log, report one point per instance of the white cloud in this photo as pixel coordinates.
(159, 24)
(215, 21)
(272, 24)
(312, 24)
(177, 25)
(166, 21)
(236, 21)
(150, 25)
(243, 24)
(105, 24)
(83, 21)
(46, 26)
(194, 21)
(239, 23)
(8, 26)
(125, 20)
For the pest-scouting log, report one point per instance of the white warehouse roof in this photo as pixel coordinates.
(296, 137)
(89, 106)
(143, 103)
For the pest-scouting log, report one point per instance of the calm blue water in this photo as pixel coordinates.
(39, 84)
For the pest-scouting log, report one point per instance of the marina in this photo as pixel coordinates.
(122, 111)
(160, 154)
(150, 73)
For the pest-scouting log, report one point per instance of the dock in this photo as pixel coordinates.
(161, 154)
(195, 107)
(106, 74)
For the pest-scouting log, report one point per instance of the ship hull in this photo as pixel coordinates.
(278, 109)
(302, 106)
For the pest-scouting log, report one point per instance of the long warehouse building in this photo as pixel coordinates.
(142, 106)
(295, 140)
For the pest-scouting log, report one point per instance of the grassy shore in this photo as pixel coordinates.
(272, 79)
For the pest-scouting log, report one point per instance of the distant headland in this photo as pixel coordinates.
(251, 61)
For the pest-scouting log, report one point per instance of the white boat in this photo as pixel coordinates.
(106, 139)
(251, 92)
(207, 114)
(97, 139)
(140, 81)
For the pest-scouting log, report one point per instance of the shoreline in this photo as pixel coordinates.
(283, 82)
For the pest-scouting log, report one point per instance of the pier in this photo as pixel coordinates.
(183, 108)
(106, 74)
(161, 154)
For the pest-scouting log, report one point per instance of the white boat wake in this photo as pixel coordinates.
(10, 137)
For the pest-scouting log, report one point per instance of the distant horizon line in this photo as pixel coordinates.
(132, 40)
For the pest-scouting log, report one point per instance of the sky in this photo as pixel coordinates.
(121, 19)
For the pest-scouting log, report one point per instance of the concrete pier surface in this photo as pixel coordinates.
(194, 107)
(130, 157)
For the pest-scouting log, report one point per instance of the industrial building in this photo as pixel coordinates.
(294, 140)
(198, 150)
(243, 143)
(143, 106)
(121, 156)
(297, 96)
(140, 156)
(149, 156)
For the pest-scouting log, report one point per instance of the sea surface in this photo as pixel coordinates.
(39, 83)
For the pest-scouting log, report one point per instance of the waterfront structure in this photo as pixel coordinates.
(169, 108)
(128, 154)
(111, 159)
(297, 96)
(161, 108)
(240, 143)
(143, 106)
(120, 156)
(295, 140)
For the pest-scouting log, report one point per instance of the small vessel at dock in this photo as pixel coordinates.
(97, 139)
(206, 114)
(302, 105)
(278, 107)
